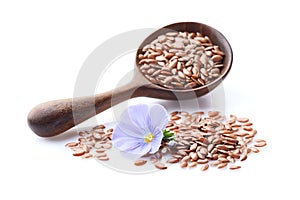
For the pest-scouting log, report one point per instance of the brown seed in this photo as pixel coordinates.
(260, 140)
(173, 160)
(172, 64)
(230, 159)
(223, 159)
(204, 71)
(181, 75)
(190, 85)
(174, 118)
(221, 165)
(204, 167)
(100, 150)
(140, 162)
(172, 34)
(105, 158)
(176, 84)
(87, 155)
(243, 120)
(85, 148)
(215, 163)
(202, 161)
(185, 158)
(78, 152)
(255, 150)
(101, 155)
(204, 59)
(98, 145)
(234, 155)
(101, 126)
(213, 113)
(165, 73)
(160, 166)
(242, 134)
(186, 72)
(216, 58)
(193, 147)
(248, 124)
(107, 145)
(169, 55)
(194, 156)
(183, 164)
(174, 113)
(246, 128)
(193, 164)
(71, 144)
(243, 157)
(234, 167)
(97, 135)
(260, 144)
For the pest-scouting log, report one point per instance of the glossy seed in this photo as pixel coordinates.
(86, 155)
(173, 160)
(173, 118)
(193, 164)
(105, 158)
(213, 113)
(79, 152)
(71, 144)
(255, 150)
(140, 162)
(260, 140)
(183, 164)
(234, 167)
(243, 120)
(221, 165)
(260, 144)
(160, 166)
(204, 167)
(244, 157)
(202, 161)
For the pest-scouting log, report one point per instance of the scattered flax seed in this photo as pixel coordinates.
(87, 155)
(78, 152)
(260, 144)
(105, 158)
(212, 140)
(97, 139)
(160, 166)
(140, 162)
(222, 165)
(71, 144)
(201, 140)
(234, 167)
(204, 167)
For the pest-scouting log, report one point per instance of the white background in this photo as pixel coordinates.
(42, 48)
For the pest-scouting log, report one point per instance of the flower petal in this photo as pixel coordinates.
(135, 120)
(141, 149)
(156, 142)
(120, 136)
(129, 144)
(159, 117)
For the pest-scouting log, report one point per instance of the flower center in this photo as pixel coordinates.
(149, 137)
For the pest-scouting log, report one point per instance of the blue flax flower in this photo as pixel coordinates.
(140, 130)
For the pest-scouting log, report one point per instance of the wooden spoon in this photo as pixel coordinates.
(55, 117)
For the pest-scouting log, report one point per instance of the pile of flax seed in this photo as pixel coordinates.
(210, 140)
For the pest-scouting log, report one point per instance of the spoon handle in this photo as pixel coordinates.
(55, 117)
